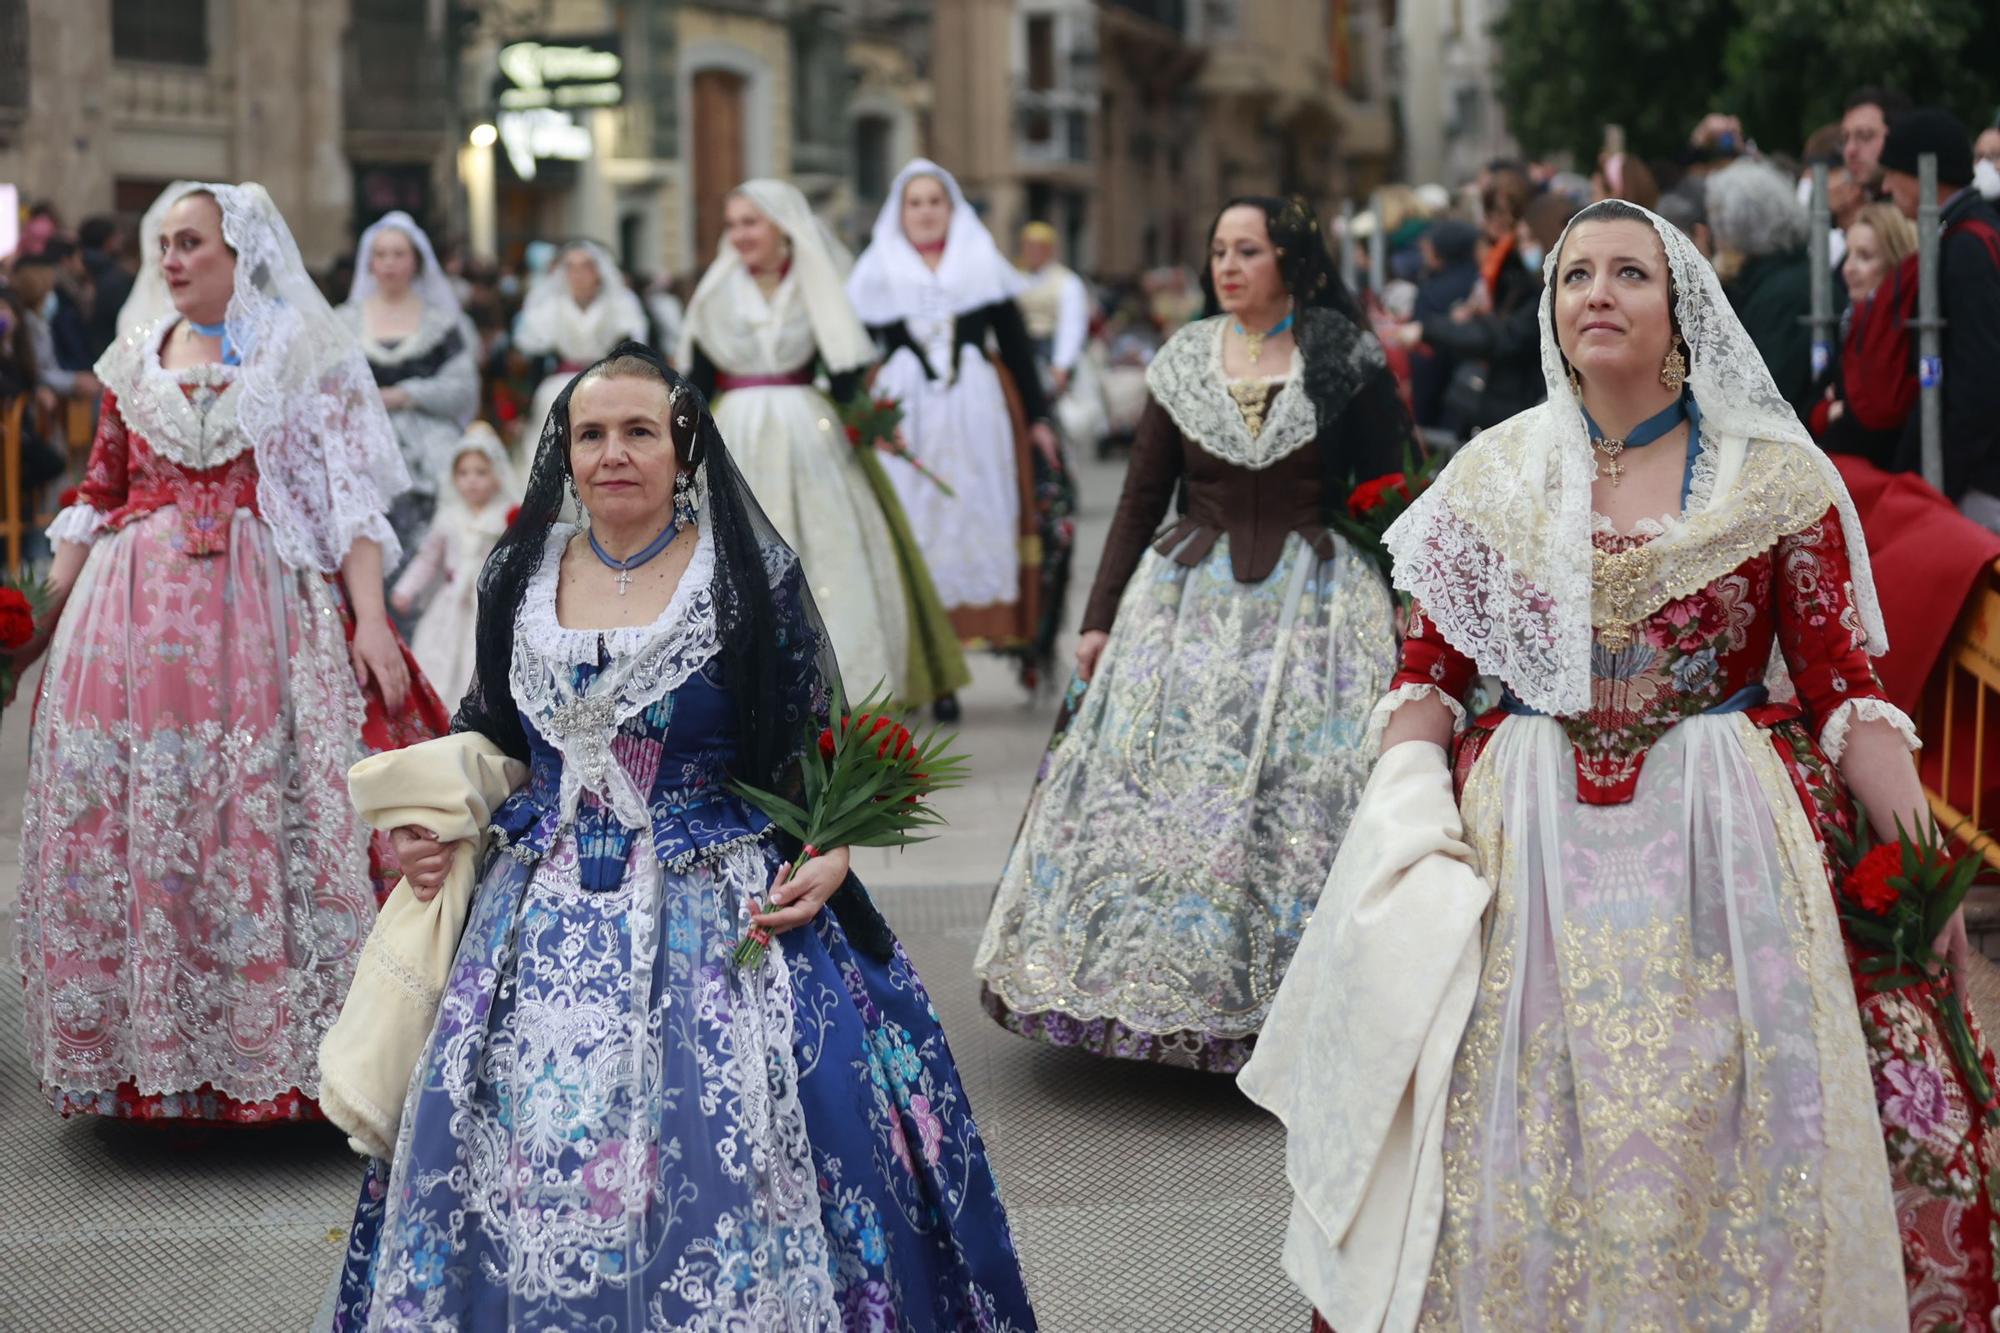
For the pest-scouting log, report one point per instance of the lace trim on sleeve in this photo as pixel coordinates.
(80, 523)
(1378, 721)
(1833, 735)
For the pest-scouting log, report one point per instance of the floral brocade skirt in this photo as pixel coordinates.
(1189, 808)
(1661, 1114)
(195, 883)
(786, 1146)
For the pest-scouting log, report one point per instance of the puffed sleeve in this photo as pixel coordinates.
(106, 479)
(1819, 632)
(1429, 667)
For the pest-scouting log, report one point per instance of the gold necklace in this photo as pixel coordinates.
(1253, 339)
(1610, 449)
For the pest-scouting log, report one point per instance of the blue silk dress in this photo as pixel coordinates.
(780, 1147)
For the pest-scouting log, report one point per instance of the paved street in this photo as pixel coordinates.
(1144, 1199)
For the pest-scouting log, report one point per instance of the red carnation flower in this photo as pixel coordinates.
(70, 496)
(854, 434)
(513, 513)
(17, 619)
(1868, 883)
(1372, 493)
(885, 403)
(896, 739)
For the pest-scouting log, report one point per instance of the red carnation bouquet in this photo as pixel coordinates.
(876, 423)
(866, 780)
(21, 607)
(1896, 900)
(1378, 502)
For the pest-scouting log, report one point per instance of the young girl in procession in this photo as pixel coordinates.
(617, 1124)
(195, 884)
(577, 311)
(443, 577)
(423, 352)
(1572, 1042)
(1191, 806)
(933, 288)
(769, 316)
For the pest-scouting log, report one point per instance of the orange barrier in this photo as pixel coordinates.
(1959, 719)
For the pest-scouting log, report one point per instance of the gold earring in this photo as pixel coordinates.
(1674, 368)
(1575, 384)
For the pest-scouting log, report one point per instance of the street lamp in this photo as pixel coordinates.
(484, 135)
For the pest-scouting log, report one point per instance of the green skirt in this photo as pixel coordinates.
(937, 664)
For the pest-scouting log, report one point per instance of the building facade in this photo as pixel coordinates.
(1447, 92)
(107, 101)
(705, 96)
(1126, 123)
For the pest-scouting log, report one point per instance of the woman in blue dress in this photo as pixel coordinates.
(615, 1127)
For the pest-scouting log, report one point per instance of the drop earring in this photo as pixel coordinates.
(1674, 367)
(685, 509)
(1575, 384)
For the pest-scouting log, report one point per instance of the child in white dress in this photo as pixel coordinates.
(468, 523)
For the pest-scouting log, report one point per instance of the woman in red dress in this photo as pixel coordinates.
(1635, 1092)
(195, 883)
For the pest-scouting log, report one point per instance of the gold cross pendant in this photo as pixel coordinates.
(1611, 449)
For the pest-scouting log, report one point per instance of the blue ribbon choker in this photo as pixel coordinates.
(630, 563)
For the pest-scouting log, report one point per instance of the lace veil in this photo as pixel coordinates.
(433, 284)
(1499, 550)
(480, 438)
(327, 459)
(890, 275)
(820, 266)
(551, 320)
(757, 605)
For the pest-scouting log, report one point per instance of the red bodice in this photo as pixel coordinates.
(126, 479)
(1694, 655)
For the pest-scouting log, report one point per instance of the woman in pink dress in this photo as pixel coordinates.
(195, 884)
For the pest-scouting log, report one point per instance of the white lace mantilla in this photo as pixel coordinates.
(648, 662)
(1499, 550)
(328, 464)
(1187, 379)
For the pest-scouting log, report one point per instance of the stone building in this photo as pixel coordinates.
(103, 102)
(1125, 123)
(347, 108)
(1447, 91)
(827, 95)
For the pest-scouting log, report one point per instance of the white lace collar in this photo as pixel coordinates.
(1187, 379)
(648, 662)
(195, 430)
(435, 326)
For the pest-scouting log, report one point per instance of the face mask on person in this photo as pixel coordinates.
(48, 308)
(1531, 258)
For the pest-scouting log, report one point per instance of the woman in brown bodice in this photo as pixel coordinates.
(1195, 793)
